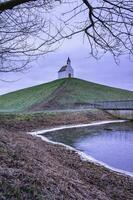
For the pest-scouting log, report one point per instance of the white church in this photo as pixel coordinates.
(66, 71)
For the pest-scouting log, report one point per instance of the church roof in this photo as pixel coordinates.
(62, 69)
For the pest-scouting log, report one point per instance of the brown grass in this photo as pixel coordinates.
(32, 169)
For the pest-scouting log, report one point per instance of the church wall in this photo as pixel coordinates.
(69, 70)
(65, 74)
(62, 75)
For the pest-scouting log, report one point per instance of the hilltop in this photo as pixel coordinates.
(62, 93)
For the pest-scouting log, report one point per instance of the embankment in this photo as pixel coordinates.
(122, 114)
(35, 121)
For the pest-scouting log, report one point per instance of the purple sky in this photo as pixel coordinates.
(103, 71)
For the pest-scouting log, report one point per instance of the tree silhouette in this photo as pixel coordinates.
(30, 27)
(108, 25)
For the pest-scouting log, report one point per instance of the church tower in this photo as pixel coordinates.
(68, 62)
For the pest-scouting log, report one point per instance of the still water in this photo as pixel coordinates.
(109, 143)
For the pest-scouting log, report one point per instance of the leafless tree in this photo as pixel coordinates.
(24, 32)
(107, 25)
(30, 27)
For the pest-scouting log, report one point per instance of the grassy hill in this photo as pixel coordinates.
(58, 94)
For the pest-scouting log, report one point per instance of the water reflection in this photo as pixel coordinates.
(110, 143)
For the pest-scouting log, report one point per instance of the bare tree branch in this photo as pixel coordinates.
(29, 28)
(10, 4)
(108, 26)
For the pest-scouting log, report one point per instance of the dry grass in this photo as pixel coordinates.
(35, 170)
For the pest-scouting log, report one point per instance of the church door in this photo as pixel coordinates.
(69, 75)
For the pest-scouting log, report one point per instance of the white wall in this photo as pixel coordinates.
(65, 74)
(123, 114)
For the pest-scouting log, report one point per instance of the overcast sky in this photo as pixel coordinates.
(103, 71)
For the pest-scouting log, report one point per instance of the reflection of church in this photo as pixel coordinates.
(66, 71)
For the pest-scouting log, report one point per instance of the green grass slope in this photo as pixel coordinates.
(22, 99)
(60, 93)
(83, 91)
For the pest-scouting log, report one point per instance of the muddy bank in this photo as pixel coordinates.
(33, 169)
(35, 121)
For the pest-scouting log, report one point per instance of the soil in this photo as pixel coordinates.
(32, 169)
(53, 102)
(51, 119)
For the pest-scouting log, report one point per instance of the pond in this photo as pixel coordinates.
(109, 143)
